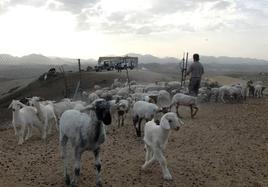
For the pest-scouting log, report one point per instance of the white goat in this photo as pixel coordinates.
(24, 117)
(85, 132)
(185, 100)
(46, 114)
(156, 138)
(143, 110)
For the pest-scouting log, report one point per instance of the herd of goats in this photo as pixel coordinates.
(84, 122)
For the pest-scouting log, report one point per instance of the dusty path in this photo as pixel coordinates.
(226, 145)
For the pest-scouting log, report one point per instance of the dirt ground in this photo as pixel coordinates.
(225, 145)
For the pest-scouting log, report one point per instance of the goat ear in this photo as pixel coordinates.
(88, 107)
(164, 124)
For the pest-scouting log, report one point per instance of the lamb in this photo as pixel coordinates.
(24, 117)
(85, 131)
(185, 100)
(156, 138)
(143, 110)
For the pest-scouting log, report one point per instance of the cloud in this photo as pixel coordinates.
(158, 16)
(76, 6)
(221, 5)
(34, 3)
(163, 7)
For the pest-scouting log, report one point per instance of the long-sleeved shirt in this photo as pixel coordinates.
(196, 69)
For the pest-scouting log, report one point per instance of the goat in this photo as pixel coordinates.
(85, 132)
(156, 138)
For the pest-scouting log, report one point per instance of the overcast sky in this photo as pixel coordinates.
(92, 28)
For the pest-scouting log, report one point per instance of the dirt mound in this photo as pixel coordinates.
(226, 145)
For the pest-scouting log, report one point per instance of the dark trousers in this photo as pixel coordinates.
(194, 85)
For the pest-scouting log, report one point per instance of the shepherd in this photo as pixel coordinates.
(196, 70)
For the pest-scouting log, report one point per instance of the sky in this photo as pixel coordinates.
(93, 28)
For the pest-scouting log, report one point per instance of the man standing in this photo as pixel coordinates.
(196, 70)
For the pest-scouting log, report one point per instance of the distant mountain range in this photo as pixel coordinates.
(35, 59)
(204, 59)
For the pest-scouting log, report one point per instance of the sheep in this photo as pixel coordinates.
(24, 117)
(92, 97)
(163, 100)
(224, 91)
(61, 106)
(204, 94)
(153, 87)
(151, 97)
(124, 92)
(156, 138)
(243, 91)
(173, 85)
(235, 92)
(185, 100)
(214, 93)
(113, 108)
(138, 88)
(84, 95)
(138, 96)
(122, 110)
(85, 132)
(98, 92)
(97, 87)
(143, 110)
(258, 90)
(78, 105)
(118, 109)
(46, 114)
(116, 83)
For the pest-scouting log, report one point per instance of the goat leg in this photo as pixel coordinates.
(196, 109)
(98, 167)
(77, 157)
